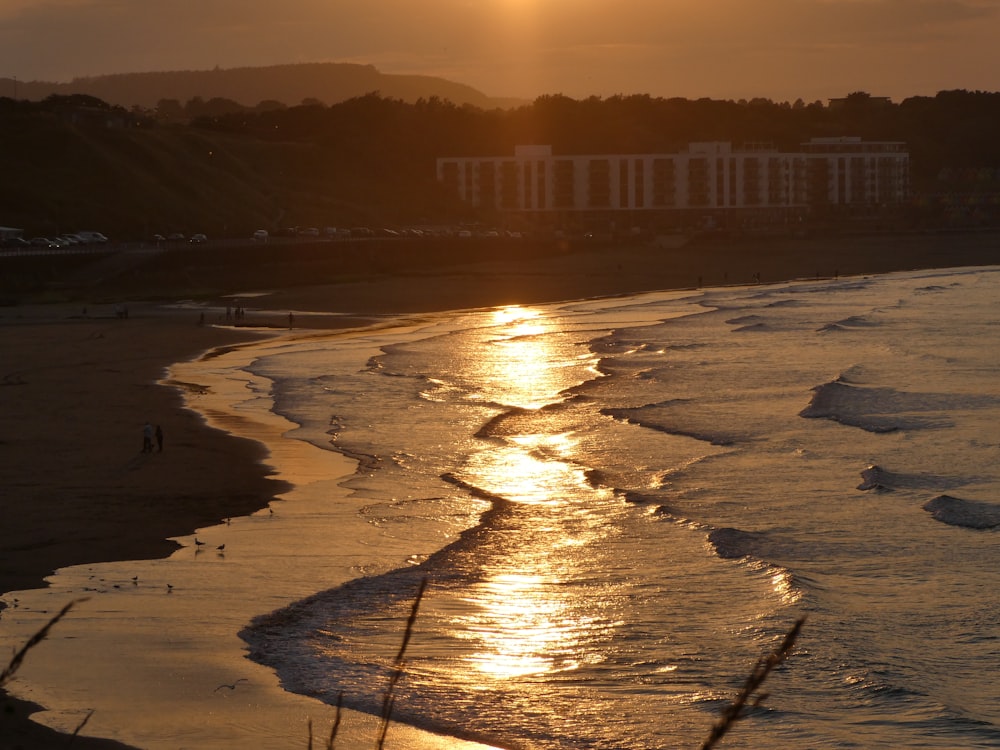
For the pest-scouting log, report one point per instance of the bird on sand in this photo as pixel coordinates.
(198, 542)
(231, 686)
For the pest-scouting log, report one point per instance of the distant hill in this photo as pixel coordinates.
(289, 84)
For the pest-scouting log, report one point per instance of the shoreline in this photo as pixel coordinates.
(79, 489)
(80, 387)
(213, 595)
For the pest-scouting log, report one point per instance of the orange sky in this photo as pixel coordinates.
(732, 49)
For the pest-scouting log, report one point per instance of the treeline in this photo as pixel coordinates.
(75, 161)
(951, 136)
(291, 84)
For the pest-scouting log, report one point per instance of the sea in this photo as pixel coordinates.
(581, 525)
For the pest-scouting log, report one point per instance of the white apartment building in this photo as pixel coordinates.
(710, 176)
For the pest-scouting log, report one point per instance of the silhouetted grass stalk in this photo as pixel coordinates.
(41, 635)
(80, 726)
(336, 721)
(399, 667)
(737, 710)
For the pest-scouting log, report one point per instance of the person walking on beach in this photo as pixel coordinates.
(159, 439)
(147, 438)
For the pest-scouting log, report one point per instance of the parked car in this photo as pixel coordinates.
(309, 232)
(90, 237)
(261, 235)
(176, 237)
(198, 239)
(43, 242)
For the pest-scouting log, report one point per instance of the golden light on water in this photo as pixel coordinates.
(523, 627)
(515, 314)
(524, 617)
(517, 474)
(784, 586)
(520, 365)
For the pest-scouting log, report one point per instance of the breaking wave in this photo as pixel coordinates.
(971, 514)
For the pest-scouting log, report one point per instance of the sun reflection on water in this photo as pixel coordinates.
(521, 367)
(524, 616)
(517, 474)
(520, 630)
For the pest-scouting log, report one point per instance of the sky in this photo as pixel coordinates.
(722, 49)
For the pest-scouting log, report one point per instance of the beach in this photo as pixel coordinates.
(81, 381)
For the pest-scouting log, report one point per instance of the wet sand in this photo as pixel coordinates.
(76, 388)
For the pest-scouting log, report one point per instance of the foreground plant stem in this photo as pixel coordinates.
(761, 670)
(399, 666)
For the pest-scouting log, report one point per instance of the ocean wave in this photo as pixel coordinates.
(854, 375)
(473, 490)
(752, 327)
(645, 498)
(878, 478)
(788, 303)
(757, 550)
(514, 420)
(645, 416)
(873, 478)
(734, 544)
(744, 320)
(852, 322)
(881, 409)
(971, 514)
(873, 687)
(831, 328)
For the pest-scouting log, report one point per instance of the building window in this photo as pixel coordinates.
(487, 184)
(664, 183)
(509, 187)
(599, 183)
(698, 182)
(563, 184)
(639, 183)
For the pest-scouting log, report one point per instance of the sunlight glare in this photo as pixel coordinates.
(521, 365)
(523, 617)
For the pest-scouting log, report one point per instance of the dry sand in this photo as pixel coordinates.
(77, 386)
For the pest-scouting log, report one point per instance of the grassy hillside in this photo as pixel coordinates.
(131, 181)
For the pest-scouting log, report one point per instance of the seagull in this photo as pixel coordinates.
(221, 547)
(198, 542)
(231, 686)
